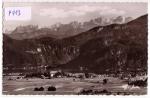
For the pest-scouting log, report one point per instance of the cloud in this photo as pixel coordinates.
(111, 11)
(57, 12)
(86, 8)
(53, 12)
(102, 10)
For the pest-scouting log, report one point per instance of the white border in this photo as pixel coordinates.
(148, 48)
(1, 47)
(75, 0)
(72, 96)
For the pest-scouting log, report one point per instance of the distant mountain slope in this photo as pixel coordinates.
(21, 53)
(31, 34)
(13, 54)
(111, 48)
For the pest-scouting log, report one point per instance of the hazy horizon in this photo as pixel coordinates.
(47, 14)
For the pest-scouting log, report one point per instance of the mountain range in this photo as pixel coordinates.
(116, 47)
(60, 30)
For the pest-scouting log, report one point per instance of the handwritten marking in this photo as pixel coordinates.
(17, 13)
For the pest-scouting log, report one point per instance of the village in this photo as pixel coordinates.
(58, 82)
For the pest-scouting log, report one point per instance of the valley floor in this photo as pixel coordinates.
(68, 86)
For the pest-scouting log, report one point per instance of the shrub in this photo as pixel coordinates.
(104, 91)
(86, 92)
(51, 88)
(138, 83)
(105, 81)
(36, 89)
(10, 79)
(39, 89)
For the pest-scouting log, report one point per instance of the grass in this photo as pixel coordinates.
(65, 86)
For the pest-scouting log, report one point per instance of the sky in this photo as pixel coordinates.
(47, 14)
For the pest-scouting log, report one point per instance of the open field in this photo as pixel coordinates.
(67, 86)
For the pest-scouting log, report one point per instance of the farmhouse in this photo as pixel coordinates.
(52, 73)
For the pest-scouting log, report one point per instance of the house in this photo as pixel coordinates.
(79, 75)
(52, 73)
(56, 73)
